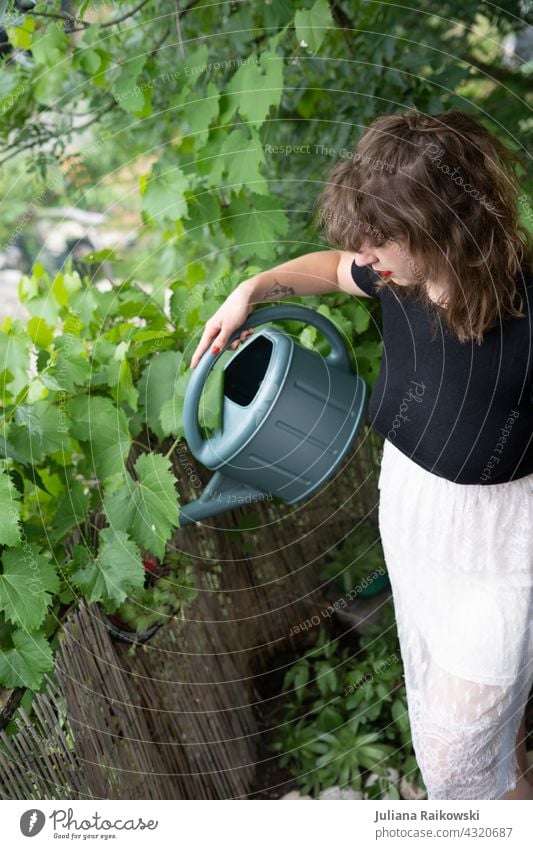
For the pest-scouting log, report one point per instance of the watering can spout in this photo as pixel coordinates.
(222, 493)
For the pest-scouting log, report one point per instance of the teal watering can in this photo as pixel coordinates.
(289, 415)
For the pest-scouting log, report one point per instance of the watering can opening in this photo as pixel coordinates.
(245, 372)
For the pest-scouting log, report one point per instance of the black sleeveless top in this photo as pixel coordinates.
(462, 411)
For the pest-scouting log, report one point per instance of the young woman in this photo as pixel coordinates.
(425, 216)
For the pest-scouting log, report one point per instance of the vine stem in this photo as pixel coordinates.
(6, 418)
(172, 447)
(181, 46)
(141, 444)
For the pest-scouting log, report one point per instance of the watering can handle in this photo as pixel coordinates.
(338, 357)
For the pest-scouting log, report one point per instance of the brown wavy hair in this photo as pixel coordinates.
(447, 190)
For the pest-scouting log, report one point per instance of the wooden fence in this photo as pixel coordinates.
(176, 718)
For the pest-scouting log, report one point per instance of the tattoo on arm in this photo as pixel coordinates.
(278, 291)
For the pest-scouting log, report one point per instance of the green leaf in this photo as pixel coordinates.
(301, 677)
(113, 574)
(8, 82)
(400, 715)
(244, 157)
(9, 510)
(155, 336)
(203, 209)
(40, 332)
(8, 450)
(193, 65)
(256, 225)
(200, 112)
(25, 664)
(27, 415)
(64, 285)
(254, 88)
(132, 302)
(119, 377)
(212, 399)
(90, 61)
(45, 307)
(5, 378)
(127, 87)
(49, 575)
(374, 756)
(157, 385)
(326, 678)
(24, 599)
(308, 337)
(71, 510)
(70, 368)
(39, 429)
(148, 508)
(86, 307)
(52, 86)
(125, 389)
(49, 45)
(358, 315)
(21, 36)
(210, 164)
(15, 357)
(164, 196)
(97, 421)
(343, 324)
(329, 719)
(312, 25)
(171, 415)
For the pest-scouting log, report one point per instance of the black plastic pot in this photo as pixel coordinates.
(119, 630)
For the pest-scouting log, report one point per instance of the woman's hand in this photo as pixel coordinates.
(218, 329)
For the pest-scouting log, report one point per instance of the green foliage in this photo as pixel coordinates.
(311, 25)
(24, 662)
(358, 561)
(113, 573)
(103, 428)
(163, 599)
(9, 511)
(71, 420)
(345, 716)
(27, 584)
(254, 88)
(148, 506)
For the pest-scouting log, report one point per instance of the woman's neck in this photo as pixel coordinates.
(436, 293)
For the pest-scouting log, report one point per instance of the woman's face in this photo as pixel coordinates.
(392, 256)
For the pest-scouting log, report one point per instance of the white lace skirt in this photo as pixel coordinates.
(460, 563)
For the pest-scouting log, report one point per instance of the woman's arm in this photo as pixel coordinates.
(317, 273)
(310, 274)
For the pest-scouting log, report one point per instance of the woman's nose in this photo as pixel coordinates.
(365, 257)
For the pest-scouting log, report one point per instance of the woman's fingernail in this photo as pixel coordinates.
(215, 349)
